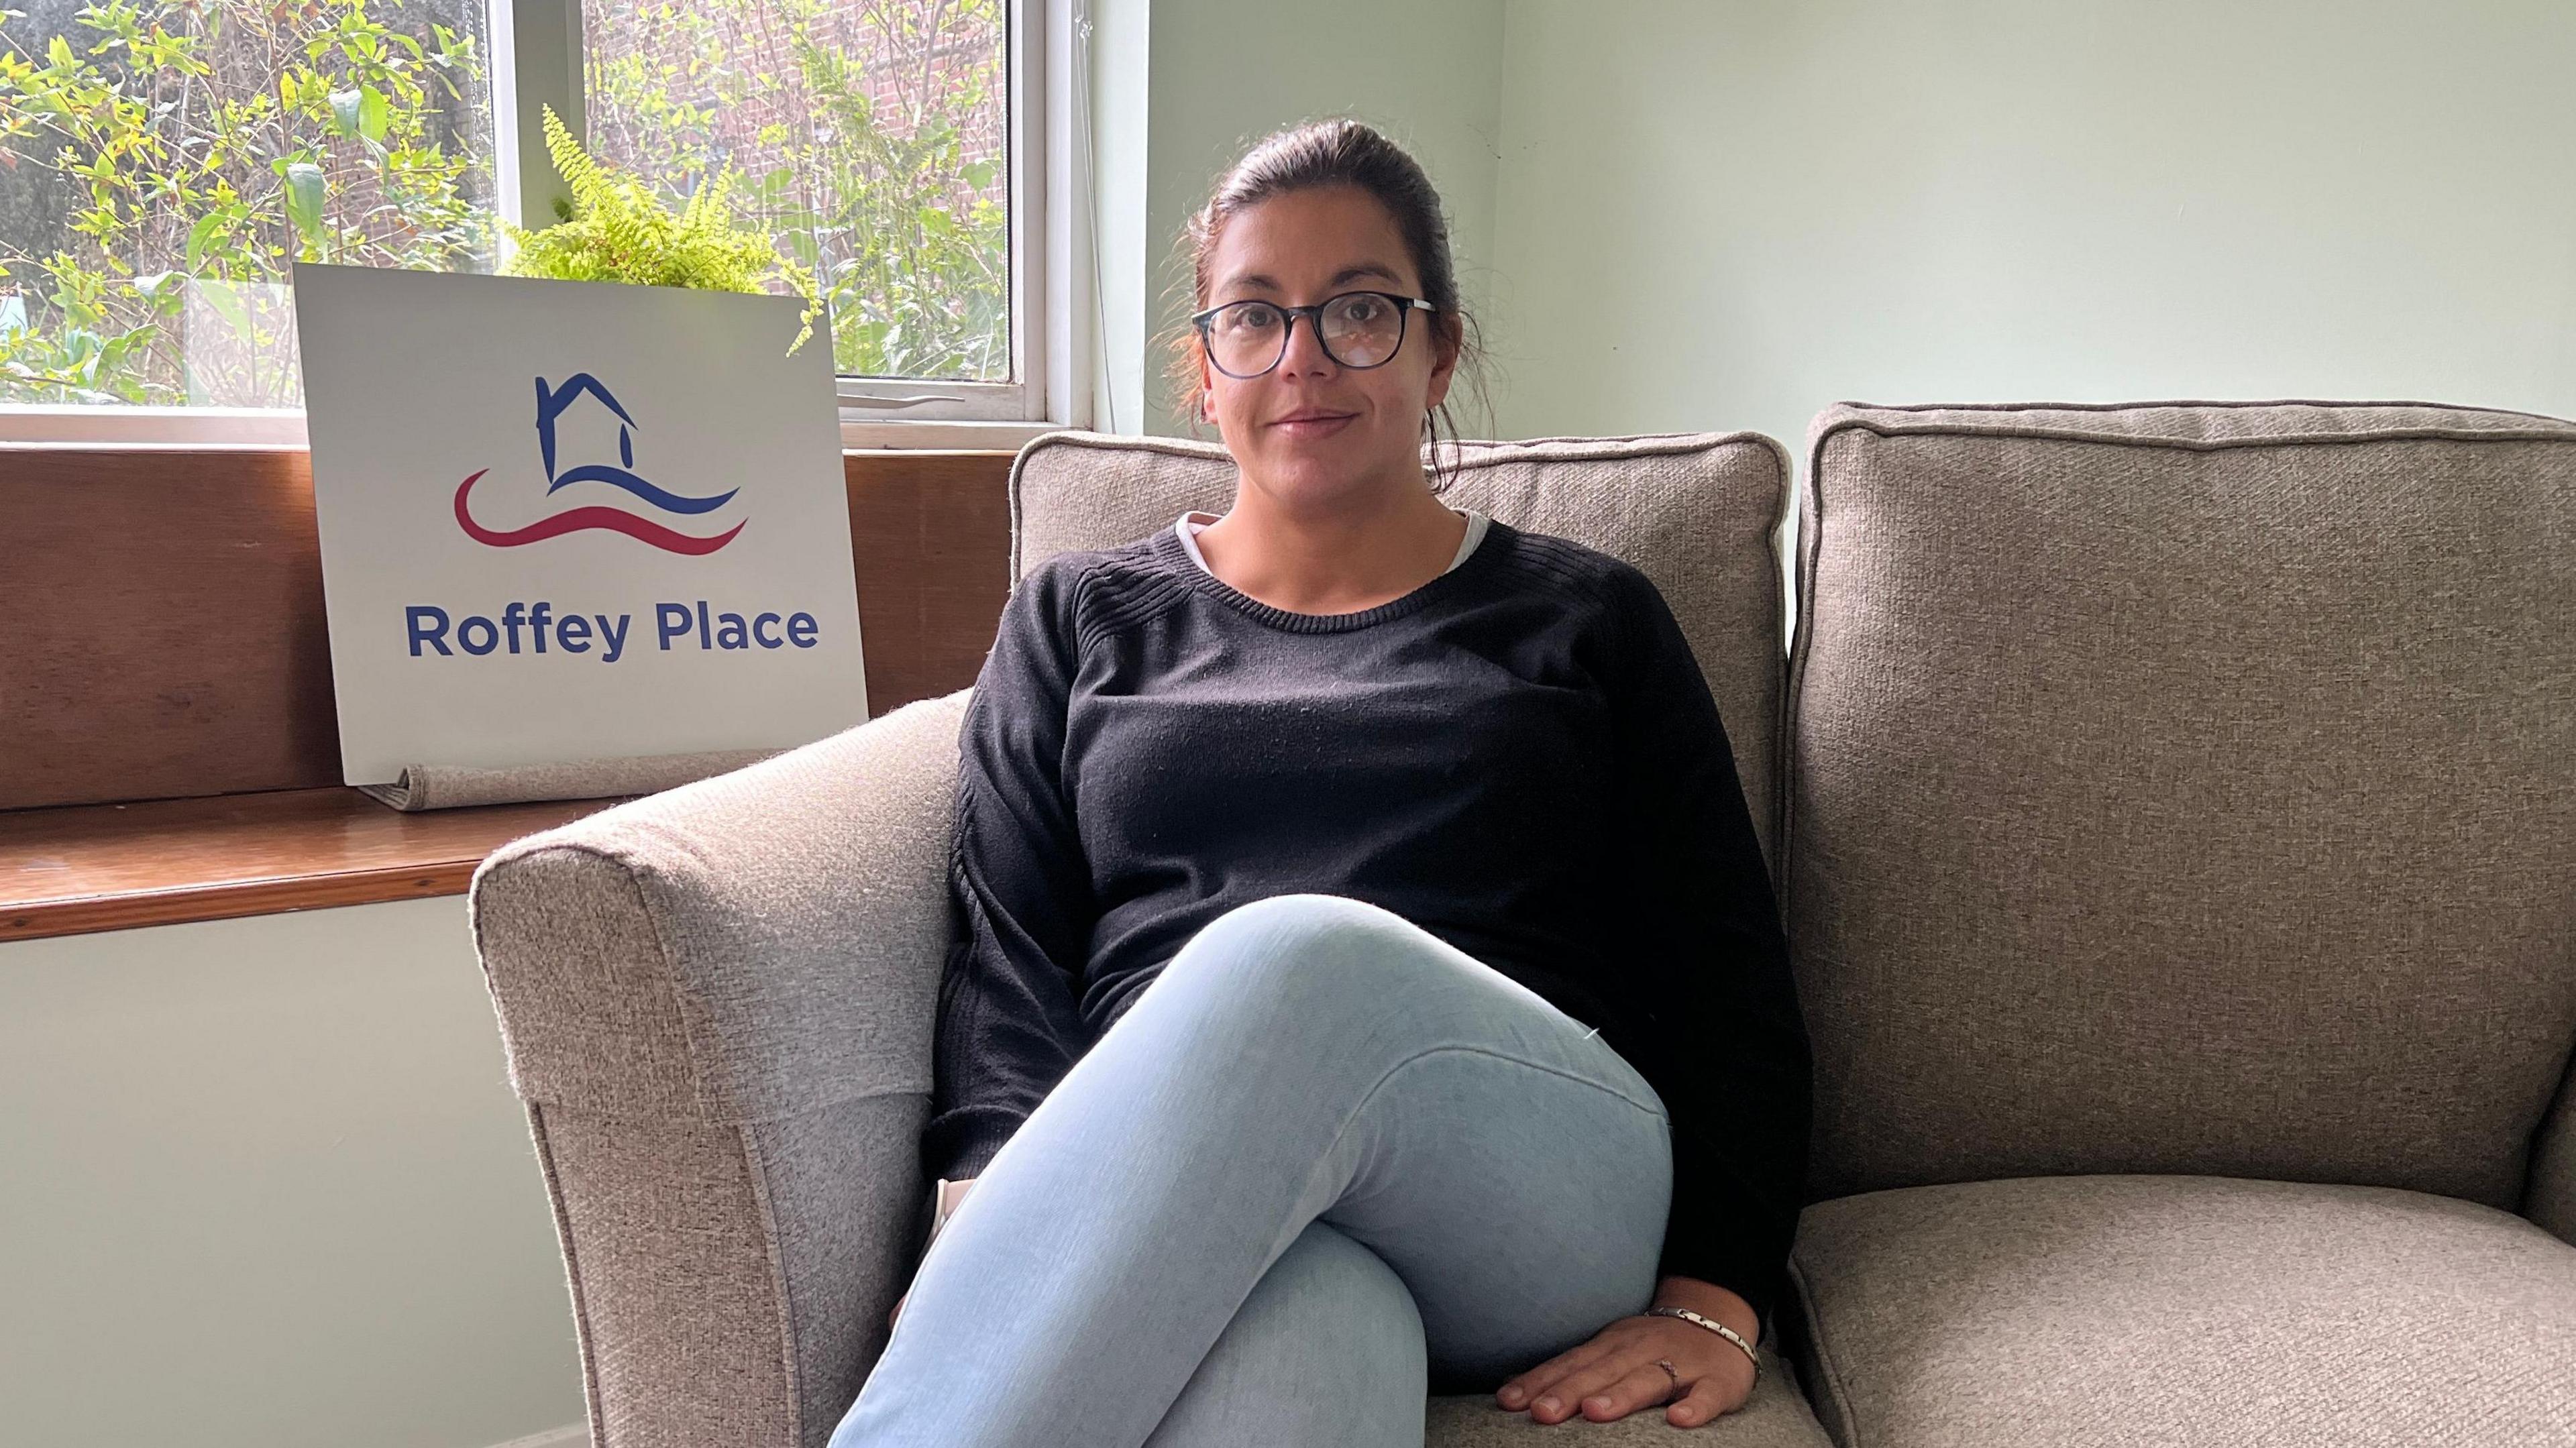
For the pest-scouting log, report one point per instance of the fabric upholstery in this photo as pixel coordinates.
(738, 949)
(2185, 788)
(717, 1004)
(1695, 512)
(730, 1282)
(2190, 1311)
(2127, 828)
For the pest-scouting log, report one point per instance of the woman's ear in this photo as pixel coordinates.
(1444, 358)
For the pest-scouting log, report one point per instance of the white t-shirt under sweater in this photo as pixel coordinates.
(1186, 528)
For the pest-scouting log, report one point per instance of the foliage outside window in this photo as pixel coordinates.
(869, 134)
(164, 162)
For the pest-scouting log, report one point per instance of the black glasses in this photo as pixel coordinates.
(1356, 329)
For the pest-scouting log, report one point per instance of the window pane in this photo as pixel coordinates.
(868, 134)
(163, 164)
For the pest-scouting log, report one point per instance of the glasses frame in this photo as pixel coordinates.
(1314, 313)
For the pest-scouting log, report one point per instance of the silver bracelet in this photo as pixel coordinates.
(1713, 1325)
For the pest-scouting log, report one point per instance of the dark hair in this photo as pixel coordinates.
(1337, 152)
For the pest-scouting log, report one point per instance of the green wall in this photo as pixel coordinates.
(1688, 214)
(1217, 75)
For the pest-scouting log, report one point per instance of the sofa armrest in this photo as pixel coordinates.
(717, 1004)
(2549, 1198)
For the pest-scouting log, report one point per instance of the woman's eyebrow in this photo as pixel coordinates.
(1260, 282)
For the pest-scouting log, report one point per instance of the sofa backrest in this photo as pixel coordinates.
(2184, 788)
(1695, 512)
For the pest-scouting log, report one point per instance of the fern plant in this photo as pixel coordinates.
(614, 229)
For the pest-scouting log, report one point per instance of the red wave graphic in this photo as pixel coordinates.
(574, 520)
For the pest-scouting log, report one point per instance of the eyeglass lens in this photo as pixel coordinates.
(1359, 329)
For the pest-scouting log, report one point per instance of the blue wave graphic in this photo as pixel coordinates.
(657, 496)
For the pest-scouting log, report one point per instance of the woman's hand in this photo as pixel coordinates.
(949, 1196)
(1614, 1374)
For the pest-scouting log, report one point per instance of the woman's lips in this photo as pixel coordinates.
(1313, 426)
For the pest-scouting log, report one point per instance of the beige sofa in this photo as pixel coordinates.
(2174, 812)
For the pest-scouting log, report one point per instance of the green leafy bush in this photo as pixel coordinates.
(614, 229)
(164, 162)
(162, 145)
(866, 132)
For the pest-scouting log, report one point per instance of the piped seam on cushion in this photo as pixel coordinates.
(1891, 431)
(2177, 403)
(582, 1329)
(1810, 1310)
(755, 1164)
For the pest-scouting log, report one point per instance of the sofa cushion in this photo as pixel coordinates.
(2140, 1310)
(1695, 512)
(2185, 788)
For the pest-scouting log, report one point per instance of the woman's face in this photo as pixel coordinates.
(1310, 430)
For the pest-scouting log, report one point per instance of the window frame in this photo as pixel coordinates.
(1047, 66)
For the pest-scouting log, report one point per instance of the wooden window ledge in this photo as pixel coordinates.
(82, 868)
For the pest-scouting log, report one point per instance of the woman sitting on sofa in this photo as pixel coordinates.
(1366, 982)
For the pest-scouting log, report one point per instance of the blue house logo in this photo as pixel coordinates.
(552, 403)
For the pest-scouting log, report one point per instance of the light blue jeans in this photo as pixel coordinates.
(1326, 1165)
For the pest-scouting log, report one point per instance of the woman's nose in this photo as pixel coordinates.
(1305, 351)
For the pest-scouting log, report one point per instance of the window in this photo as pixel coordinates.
(163, 162)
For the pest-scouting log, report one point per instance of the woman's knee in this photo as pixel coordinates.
(1306, 954)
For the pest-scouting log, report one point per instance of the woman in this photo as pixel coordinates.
(1321, 870)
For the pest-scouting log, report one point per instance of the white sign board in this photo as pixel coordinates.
(574, 520)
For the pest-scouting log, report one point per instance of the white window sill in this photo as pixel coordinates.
(1005, 436)
(122, 427)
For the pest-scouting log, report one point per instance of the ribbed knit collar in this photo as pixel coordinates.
(1168, 555)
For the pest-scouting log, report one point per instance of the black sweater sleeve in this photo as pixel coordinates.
(1010, 1023)
(1725, 1040)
